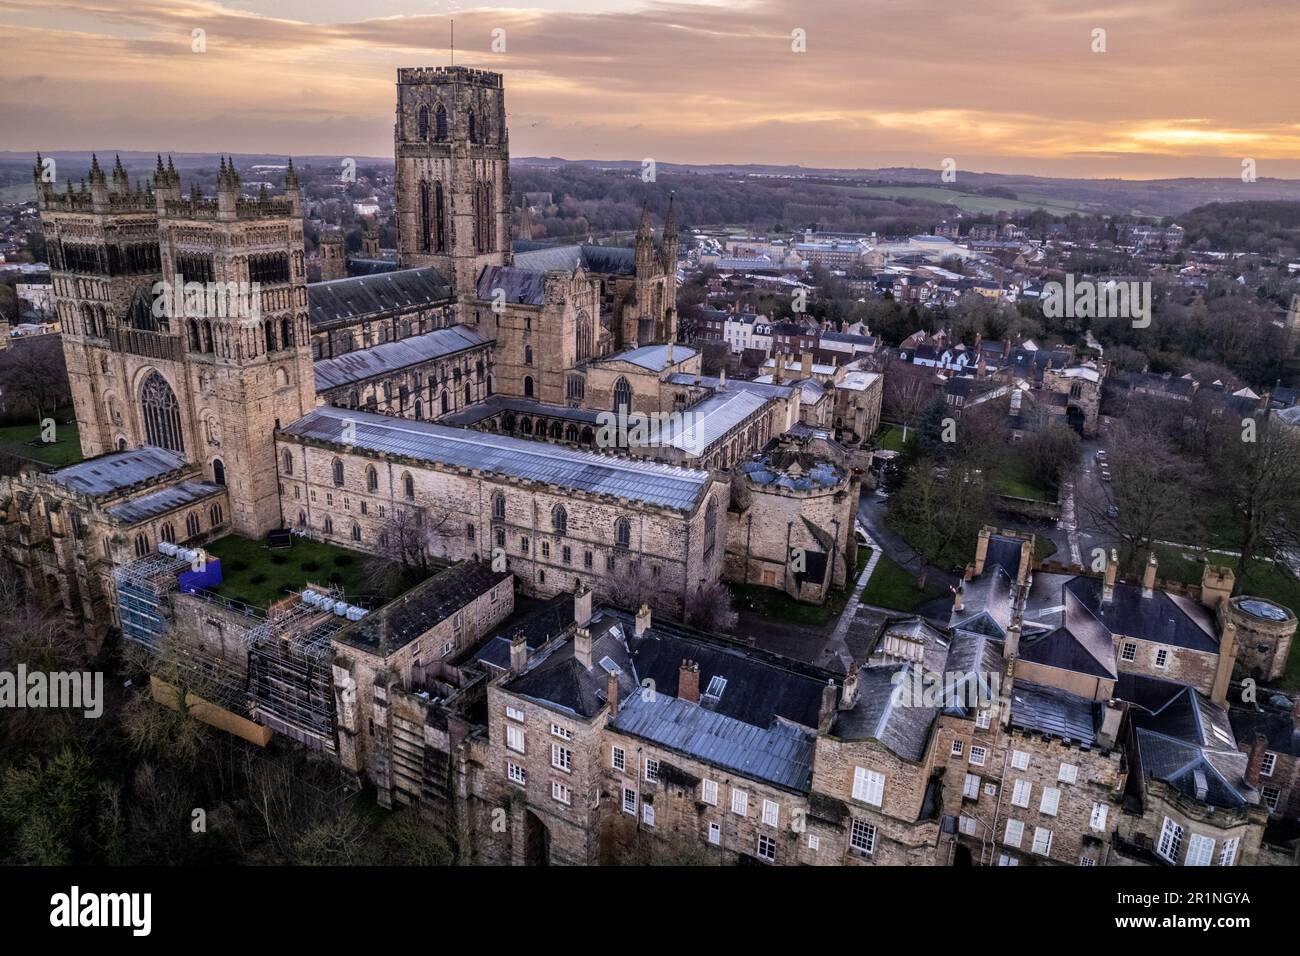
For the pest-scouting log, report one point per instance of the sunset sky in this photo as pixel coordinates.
(1186, 87)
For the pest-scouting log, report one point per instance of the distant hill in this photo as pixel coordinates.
(972, 193)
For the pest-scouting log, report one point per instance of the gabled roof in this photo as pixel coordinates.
(1047, 710)
(883, 711)
(105, 473)
(164, 500)
(1161, 619)
(652, 357)
(359, 365)
(607, 260)
(523, 286)
(345, 301)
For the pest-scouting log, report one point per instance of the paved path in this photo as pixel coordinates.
(1069, 522)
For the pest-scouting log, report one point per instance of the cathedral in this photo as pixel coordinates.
(217, 391)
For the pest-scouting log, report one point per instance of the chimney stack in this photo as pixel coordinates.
(805, 362)
(722, 379)
(582, 647)
(1026, 560)
(1112, 716)
(688, 681)
(1228, 648)
(1112, 569)
(643, 620)
(1255, 760)
(957, 596)
(1149, 576)
(849, 691)
(612, 693)
(1012, 646)
(518, 652)
(981, 551)
(581, 605)
(830, 696)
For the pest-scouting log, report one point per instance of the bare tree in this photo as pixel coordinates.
(908, 390)
(34, 376)
(1257, 471)
(1149, 499)
(940, 510)
(709, 608)
(635, 587)
(406, 544)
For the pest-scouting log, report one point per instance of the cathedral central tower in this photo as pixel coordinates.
(452, 154)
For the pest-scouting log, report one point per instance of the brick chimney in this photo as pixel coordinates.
(688, 681)
(518, 652)
(582, 647)
(612, 693)
(1149, 576)
(1255, 760)
(643, 620)
(805, 365)
(1112, 570)
(581, 605)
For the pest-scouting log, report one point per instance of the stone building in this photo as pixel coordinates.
(792, 522)
(365, 311)
(1265, 630)
(65, 531)
(551, 514)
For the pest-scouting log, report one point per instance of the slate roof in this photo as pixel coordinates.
(519, 285)
(608, 260)
(422, 608)
(1047, 710)
(1081, 644)
(767, 390)
(1189, 737)
(539, 624)
(781, 753)
(166, 499)
(646, 482)
(361, 364)
(1279, 730)
(105, 473)
(652, 357)
(345, 301)
(711, 419)
(883, 711)
(1162, 618)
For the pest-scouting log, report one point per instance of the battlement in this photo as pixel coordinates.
(442, 75)
(278, 207)
(84, 202)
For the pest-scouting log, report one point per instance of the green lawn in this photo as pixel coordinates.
(972, 202)
(254, 574)
(894, 587)
(776, 604)
(890, 439)
(25, 440)
(1011, 477)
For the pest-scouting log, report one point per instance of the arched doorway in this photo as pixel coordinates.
(537, 841)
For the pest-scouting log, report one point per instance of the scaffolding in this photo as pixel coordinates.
(290, 657)
(143, 587)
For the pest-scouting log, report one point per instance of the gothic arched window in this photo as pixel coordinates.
(528, 355)
(338, 472)
(622, 395)
(287, 458)
(424, 122)
(192, 524)
(408, 485)
(440, 124)
(473, 128)
(439, 218)
(499, 506)
(423, 211)
(623, 533)
(372, 479)
(560, 520)
(167, 533)
(162, 413)
(710, 526)
(528, 386)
